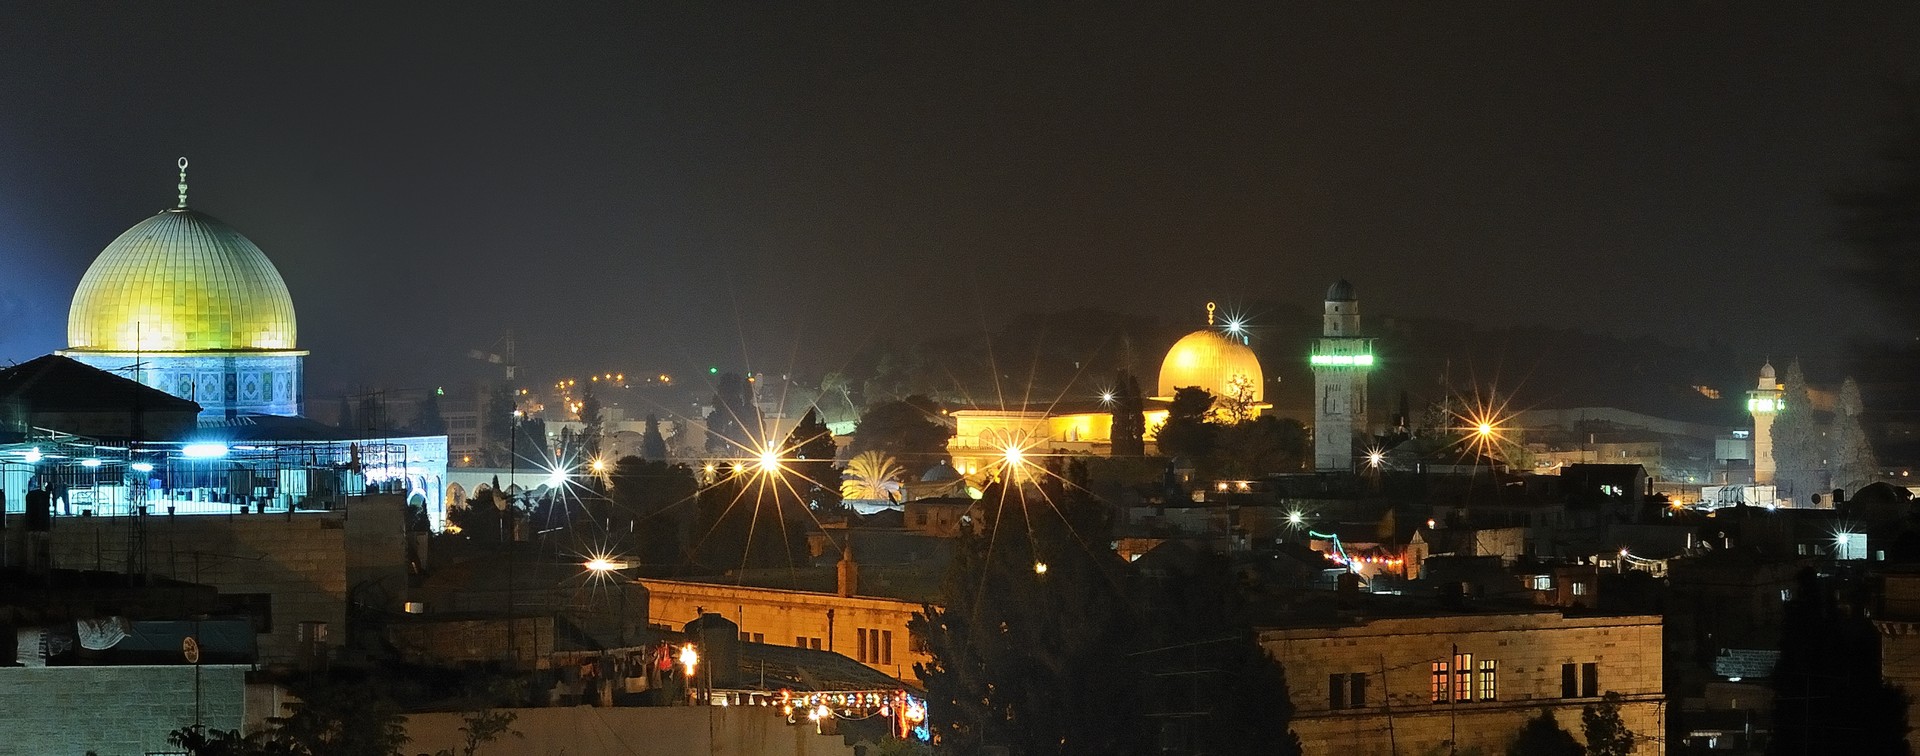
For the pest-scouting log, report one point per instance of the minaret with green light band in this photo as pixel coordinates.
(1341, 360)
(1763, 402)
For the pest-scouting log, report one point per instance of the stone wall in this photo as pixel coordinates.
(1528, 652)
(113, 711)
(634, 731)
(308, 562)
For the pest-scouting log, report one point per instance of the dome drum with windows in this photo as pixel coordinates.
(186, 304)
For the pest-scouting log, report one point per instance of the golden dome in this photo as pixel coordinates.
(181, 281)
(1211, 360)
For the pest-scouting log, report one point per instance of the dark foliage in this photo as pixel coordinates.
(653, 446)
(1543, 736)
(912, 431)
(1186, 432)
(1828, 694)
(1129, 431)
(810, 450)
(734, 418)
(653, 501)
(1075, 658)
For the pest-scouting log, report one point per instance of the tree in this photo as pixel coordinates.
(343, 416)
(734, 418)
(1029, 650)
(1543, 736)
(811, 448)
(593, 422)
(1854, 465)
(1129, 432)
(1186, 432)
(911, 430)
(1605, 732)
(1198, 655)
(655, 501)
(427, 420)
(750, 518)
(1828, 694)
(653, 446)
(871, 475)
(1798, 448)
(1262, 446)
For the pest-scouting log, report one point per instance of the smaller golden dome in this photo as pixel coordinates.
(1213, 361)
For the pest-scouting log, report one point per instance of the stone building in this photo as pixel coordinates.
(1432, 681)
(295, 573)
(867, 629)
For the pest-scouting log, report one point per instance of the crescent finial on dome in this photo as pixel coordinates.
(183, 183)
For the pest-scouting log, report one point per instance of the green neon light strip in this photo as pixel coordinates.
(1353, 360)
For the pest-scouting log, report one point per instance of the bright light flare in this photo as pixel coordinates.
(144, 467)
(602, 565)
(556, 478)
(1014, 456)
(202, 450)
(598, 465)
(1296, 518)
(689, 658)
(1039, 568)
(769, 460)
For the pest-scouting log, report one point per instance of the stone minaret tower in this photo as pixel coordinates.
(1764, 401)
(1341, 360)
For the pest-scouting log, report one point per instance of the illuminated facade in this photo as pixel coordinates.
(1764, 401)
(186, 304)
(1341, 360)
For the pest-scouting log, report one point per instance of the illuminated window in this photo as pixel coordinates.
(1463, 677)
(1579, 587)
(1488, 669)
(1542, 582)
(1438, 682)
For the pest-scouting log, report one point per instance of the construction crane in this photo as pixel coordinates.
(502, 357)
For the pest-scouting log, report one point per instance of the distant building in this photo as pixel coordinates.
(1215, 359)
(1341, 360)
(1764, 401)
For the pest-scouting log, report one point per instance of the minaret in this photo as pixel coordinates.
(1764, 401)
(1341, 360)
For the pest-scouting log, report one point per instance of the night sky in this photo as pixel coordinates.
(641, 188)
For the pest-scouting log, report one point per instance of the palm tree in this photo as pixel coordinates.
(871, 475)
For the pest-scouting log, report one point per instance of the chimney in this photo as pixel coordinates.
(848, 570)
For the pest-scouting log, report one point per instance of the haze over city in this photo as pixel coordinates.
(674, 186)
(914, 379)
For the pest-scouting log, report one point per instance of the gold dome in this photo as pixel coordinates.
(181, 281)
(1211, 360)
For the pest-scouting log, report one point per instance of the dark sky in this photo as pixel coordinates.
(642, 187)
